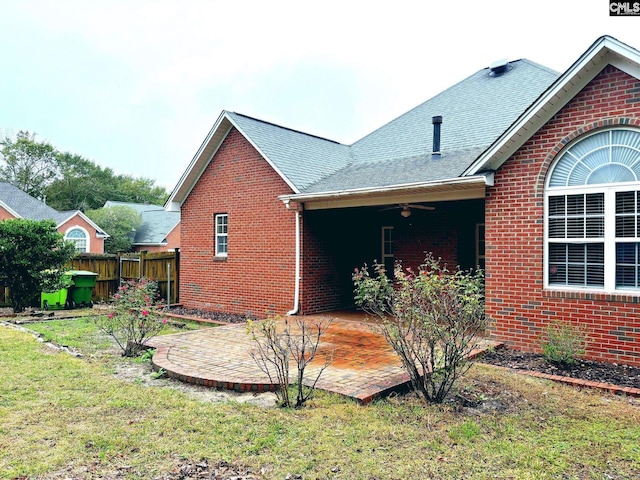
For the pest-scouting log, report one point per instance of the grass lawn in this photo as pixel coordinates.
(67, 417)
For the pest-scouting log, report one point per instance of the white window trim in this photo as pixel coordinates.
(216, 235)
(609, 236)
(86, 234)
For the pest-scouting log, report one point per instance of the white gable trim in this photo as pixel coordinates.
(605, 51)
(100, 233)
(204, 156)
(10, 210)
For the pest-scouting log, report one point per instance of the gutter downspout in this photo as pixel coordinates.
(296, 295)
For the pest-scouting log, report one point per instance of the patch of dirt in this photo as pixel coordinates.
(217, 316)
(216, 471)
(142, 374)
(183, 470)
(613, 373)
(479, 396)
(34, 315)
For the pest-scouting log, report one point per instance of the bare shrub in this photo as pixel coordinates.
(431, 318)
(280, 341)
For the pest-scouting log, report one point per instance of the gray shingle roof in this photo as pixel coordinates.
(302, 158)
(475, 112)
(156, 222)
(156, 225)
(397, 171)
(29, 207)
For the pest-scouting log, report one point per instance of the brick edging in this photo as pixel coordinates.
(163, 362)
(196, 319)
(574, 382)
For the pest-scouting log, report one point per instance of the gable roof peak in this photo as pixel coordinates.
(606, 50)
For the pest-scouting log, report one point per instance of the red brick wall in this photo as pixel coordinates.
(257, 277)
(516, 299)
(96, 245)
(5, 215)
(173, 238)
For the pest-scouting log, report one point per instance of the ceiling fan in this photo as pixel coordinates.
(406, 208)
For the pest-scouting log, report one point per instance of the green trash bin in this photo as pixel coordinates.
(55, 300)
(81, 292)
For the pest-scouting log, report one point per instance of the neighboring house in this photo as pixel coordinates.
(159, 231)
(531, 174)
(74, 225)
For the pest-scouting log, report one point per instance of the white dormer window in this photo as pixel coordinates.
(592, 220)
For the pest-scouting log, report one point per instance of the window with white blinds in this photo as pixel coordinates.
(592, 221)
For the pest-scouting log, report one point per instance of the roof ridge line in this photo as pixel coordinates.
(289, 129)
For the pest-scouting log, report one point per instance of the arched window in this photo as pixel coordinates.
(592, 221)
(79, 237)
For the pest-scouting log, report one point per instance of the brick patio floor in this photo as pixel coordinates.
(364, 365)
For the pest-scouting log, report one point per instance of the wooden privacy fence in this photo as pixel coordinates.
(162, 267)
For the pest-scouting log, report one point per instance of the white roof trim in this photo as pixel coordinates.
(205, 154)
(195, 167)
(388, 194)
(99, 231)
(10, 210)
(606, 50)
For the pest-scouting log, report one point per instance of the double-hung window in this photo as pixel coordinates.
(592, 221)
(221, 234)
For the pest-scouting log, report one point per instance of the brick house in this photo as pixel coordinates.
(159, 231)
(531, 174)
(74, 225)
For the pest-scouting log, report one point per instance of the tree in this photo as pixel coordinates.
(68, 181)
(32, 254)
(28, 164)
(120, 222)
(138, 190)
(83, 185)
(431, 318)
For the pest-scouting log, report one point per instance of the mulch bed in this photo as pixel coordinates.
(215, 316)
(613, 373)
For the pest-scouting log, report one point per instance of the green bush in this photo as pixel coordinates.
(563, 342)
(135, 318)
(32, 254)
(431, 318)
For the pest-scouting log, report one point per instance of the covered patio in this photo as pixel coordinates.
(364, 367)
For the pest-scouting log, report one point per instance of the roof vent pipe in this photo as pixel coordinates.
(437, 121)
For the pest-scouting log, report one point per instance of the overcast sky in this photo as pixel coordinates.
(136, 85)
